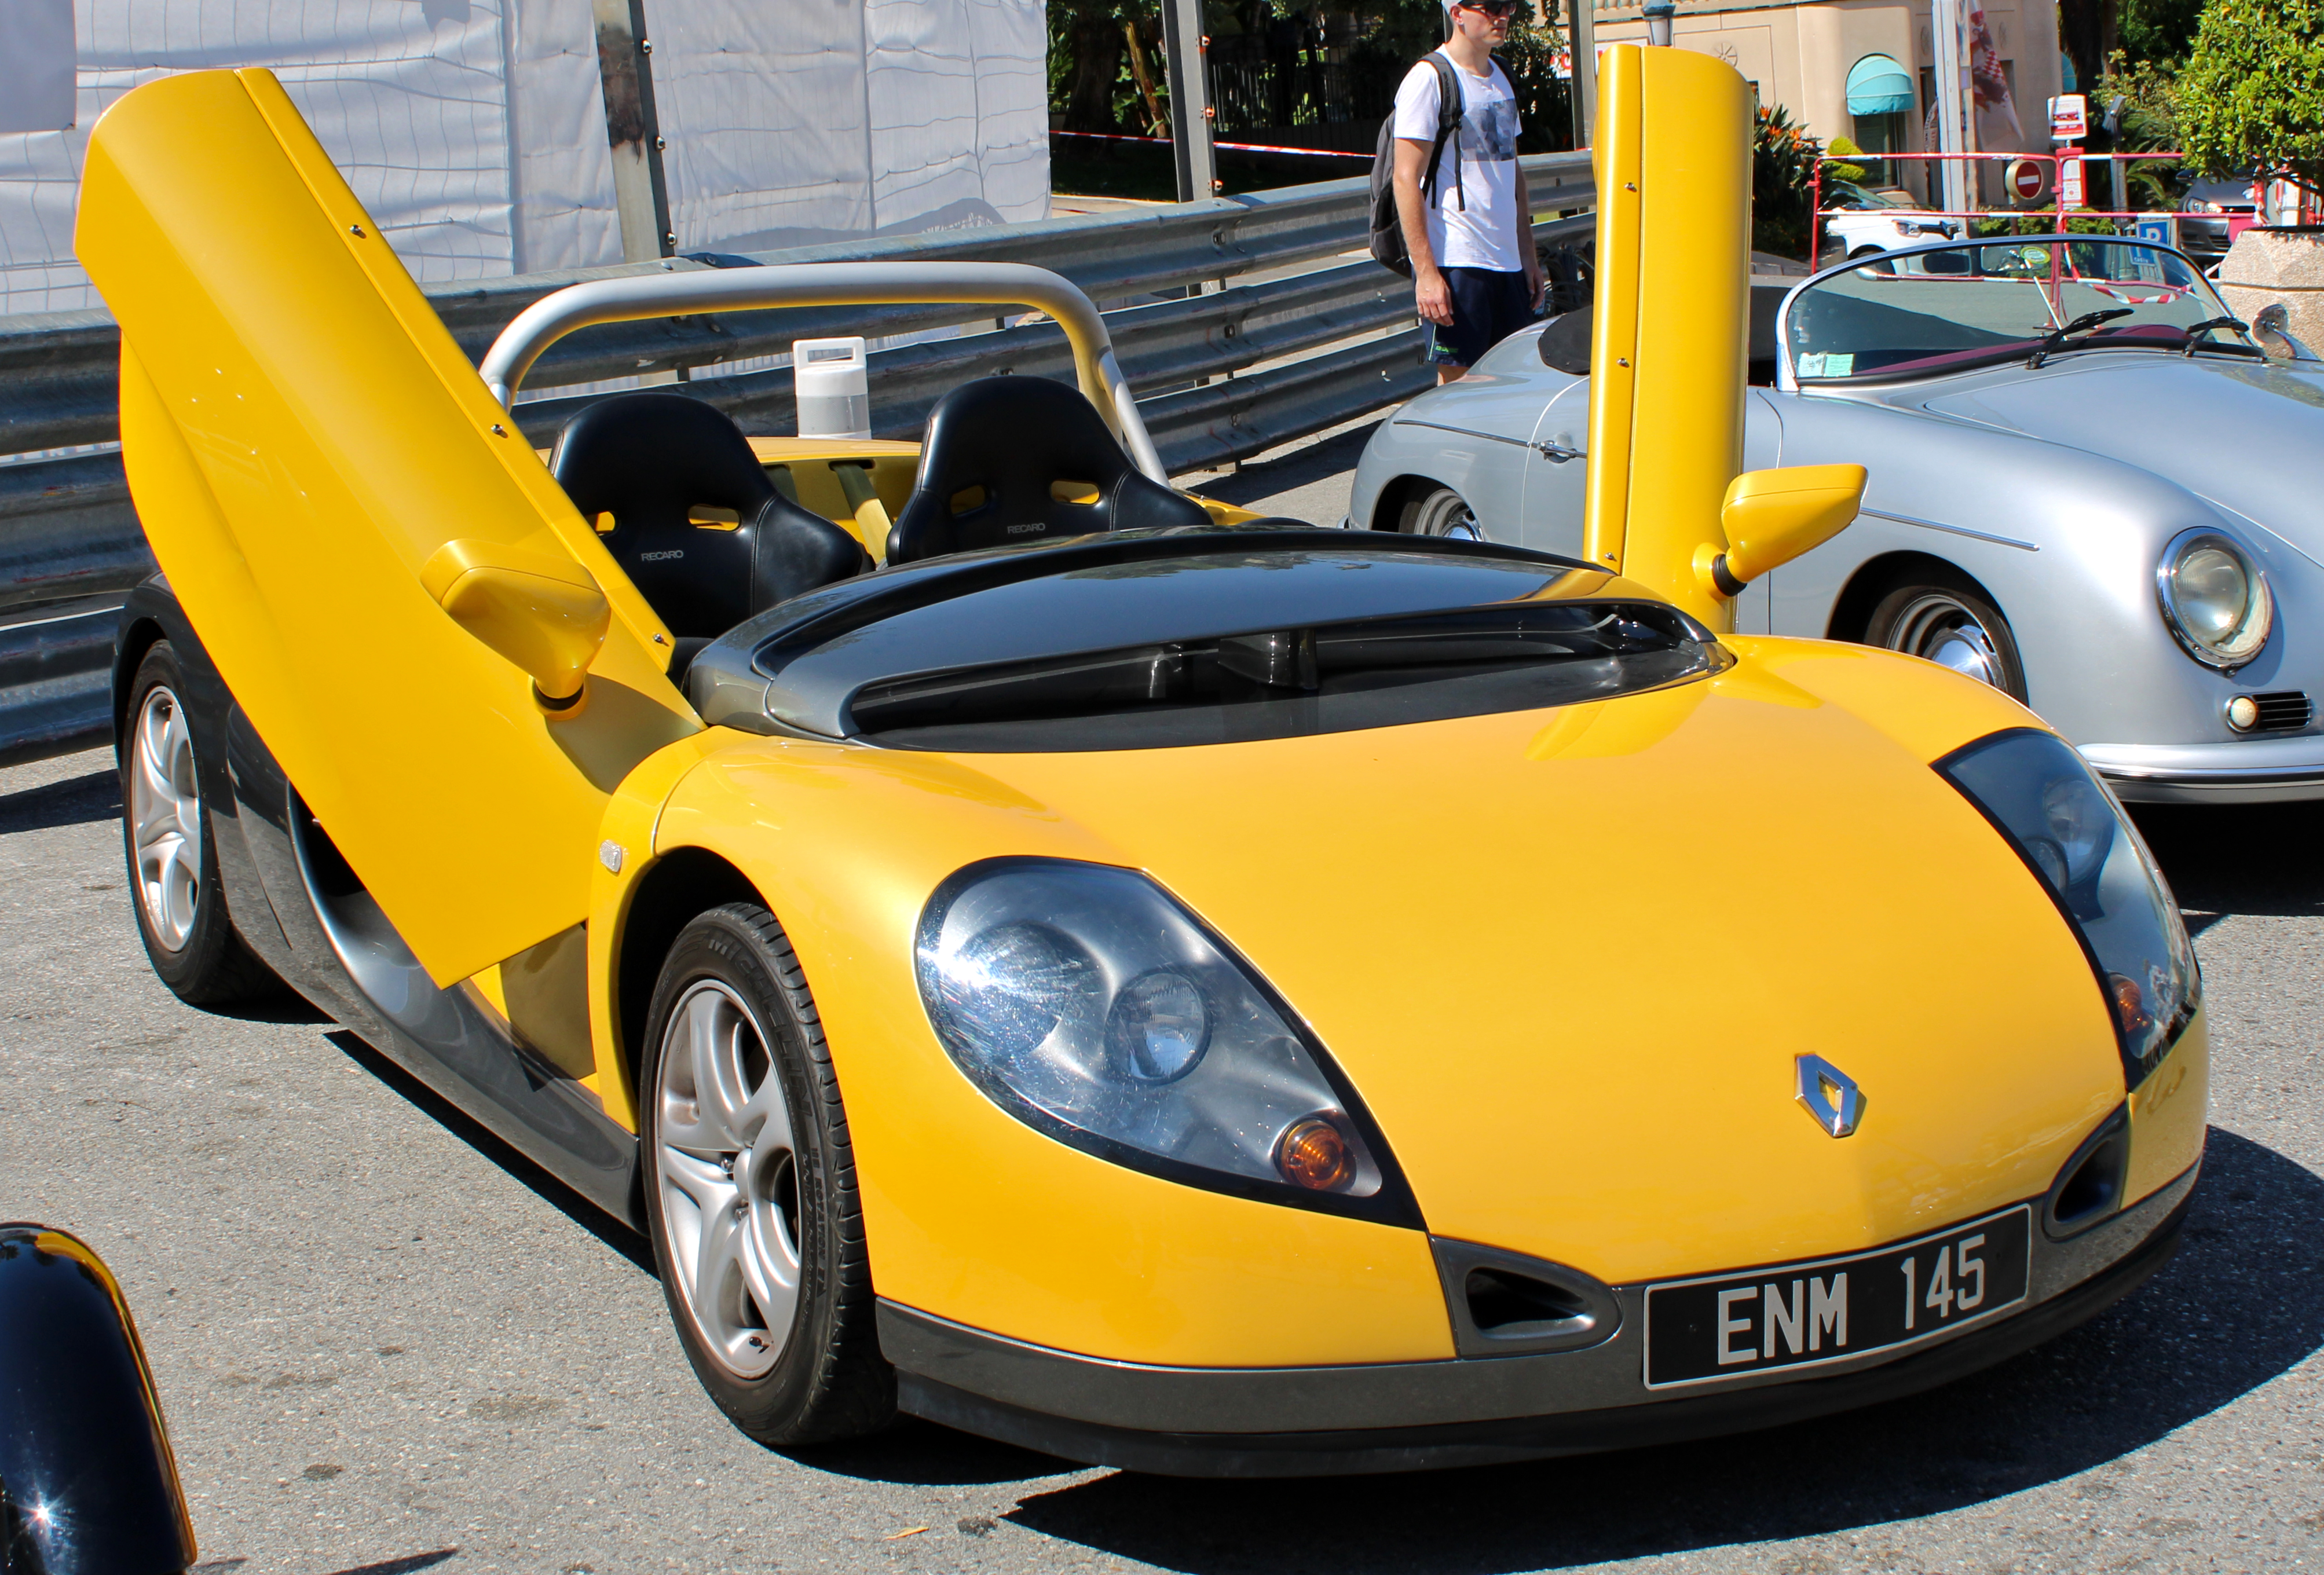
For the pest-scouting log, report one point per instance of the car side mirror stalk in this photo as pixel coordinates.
(541, 611)
(1771, 517)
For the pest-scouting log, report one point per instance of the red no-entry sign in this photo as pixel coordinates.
(2025, 179)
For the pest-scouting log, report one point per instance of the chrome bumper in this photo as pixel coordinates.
(2260, 771)
(1266, 1421)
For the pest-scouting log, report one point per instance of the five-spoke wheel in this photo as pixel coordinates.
(165, 810)
(750, 1182)
(729, 1178)
(181, 912)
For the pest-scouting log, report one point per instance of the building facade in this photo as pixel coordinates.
(1865, 70)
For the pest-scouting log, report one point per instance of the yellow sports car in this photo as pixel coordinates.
(1044, 953)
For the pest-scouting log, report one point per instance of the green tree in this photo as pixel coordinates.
(2252, 96)
(1783, 166)
(2158, 31)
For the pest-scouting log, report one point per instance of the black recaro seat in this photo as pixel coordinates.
(650, 460)
(996, 455)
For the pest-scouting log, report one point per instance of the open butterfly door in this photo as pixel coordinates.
(309, 451)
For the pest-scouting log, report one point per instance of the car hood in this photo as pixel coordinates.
(2247, 437)
(1568, 957)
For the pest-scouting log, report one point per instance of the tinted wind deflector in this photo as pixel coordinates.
(1334, 677)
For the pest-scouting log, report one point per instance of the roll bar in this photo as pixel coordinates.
(664, 295)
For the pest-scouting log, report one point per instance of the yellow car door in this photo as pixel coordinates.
(314, 462)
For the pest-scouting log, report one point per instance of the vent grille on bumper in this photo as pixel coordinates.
(2284, 712)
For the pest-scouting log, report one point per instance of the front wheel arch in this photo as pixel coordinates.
(129, 648)
(1851, 611)
(680, 886)
(1388, 509)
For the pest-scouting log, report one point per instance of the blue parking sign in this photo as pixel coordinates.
(2159, 229)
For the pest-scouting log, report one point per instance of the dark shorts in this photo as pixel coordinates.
(1488, 306)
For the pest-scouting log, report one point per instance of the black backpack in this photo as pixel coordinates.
(1387, 229)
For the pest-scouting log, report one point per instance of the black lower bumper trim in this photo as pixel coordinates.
(1475, 1443)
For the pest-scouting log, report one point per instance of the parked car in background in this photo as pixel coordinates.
(1878, 219)
(2064, 501)
(2204, 211)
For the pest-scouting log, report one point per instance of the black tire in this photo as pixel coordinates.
(826, 1379)
(189, 935)
(1437, 510)
(1936, 611)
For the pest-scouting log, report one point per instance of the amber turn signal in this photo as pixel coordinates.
(2129, 1002)
(1314, 1154)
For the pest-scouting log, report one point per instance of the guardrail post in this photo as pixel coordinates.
(1189, 48)
(624, 70)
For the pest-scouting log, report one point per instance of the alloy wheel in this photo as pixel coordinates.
(1937, 626)
(728, 1176)
(165, 810)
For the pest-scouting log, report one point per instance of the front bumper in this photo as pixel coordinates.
(2260, 771)
(1286, 1422)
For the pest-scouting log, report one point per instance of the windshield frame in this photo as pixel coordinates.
(1787, 378)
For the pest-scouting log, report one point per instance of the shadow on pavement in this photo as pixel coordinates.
(622, 1240)
(2244, 857)
(2242, 1302)
(1334, 456)
(76, 801)
(925, 1454)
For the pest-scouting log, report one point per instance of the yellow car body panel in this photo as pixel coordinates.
(301, 433)
(1598, 947)
(970, 1213)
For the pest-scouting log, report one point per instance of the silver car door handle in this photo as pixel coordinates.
(1557, 453)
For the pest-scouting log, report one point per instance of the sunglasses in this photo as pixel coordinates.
(1499, 10)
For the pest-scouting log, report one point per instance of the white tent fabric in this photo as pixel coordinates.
(818, 119)
(475, 130)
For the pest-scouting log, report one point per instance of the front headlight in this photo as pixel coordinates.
(1086, 1002)
(2214, 598)
(2041, 796)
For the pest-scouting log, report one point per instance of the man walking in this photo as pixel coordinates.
(1470, 234)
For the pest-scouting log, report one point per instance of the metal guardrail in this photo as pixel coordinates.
(71, 545)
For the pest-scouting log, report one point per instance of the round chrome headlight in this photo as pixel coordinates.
(2215, 599)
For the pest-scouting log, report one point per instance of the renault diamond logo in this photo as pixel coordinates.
(1830, 1096)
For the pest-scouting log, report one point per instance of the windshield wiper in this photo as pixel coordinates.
(2206, 325)
(2055, 340)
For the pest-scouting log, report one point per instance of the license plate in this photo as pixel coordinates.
(1806, 1315)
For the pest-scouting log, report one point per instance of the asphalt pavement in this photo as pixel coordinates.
(386, 1343)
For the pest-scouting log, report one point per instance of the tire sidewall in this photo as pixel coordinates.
(724, 945)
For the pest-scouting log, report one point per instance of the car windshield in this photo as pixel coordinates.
(1921, 313)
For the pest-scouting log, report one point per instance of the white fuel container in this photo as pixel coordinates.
(830, 380)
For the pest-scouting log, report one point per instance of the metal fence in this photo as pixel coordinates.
(1287, 337)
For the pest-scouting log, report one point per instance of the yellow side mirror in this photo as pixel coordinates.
(543, 612)
(1773, 516)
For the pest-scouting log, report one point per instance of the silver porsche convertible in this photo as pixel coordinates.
(2092, 486)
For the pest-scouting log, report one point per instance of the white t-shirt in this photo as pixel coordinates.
(1473, 222)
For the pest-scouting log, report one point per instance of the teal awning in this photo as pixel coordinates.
(1878, 85)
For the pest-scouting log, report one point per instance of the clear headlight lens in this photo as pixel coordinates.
(1087, 1002)
(2044, 798)
(2214, 598)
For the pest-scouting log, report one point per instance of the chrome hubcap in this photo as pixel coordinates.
(1443, 513)
(729, 1181)
(165, 822)
(1936, 626)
